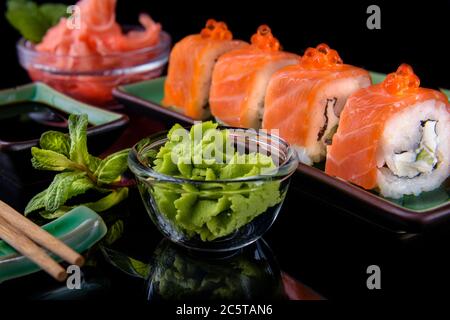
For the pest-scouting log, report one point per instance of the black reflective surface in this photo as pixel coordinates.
(321, 246)
(317, 238)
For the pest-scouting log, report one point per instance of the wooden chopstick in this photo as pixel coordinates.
(29, 249)
(39, 235)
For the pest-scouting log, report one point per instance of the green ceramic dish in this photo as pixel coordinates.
(151, 90)
(28, 111)
(145, 97)
(425, 209)
(16, 100)
(446, 91)
(377, 77)
(80, 229)
(149, 93)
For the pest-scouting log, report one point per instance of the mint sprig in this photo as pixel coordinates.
(33, 20)
(80, 172)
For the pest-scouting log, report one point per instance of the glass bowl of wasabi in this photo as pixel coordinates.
(212, 188)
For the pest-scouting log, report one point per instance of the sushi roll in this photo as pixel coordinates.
(393, 136)
(191, 63)
(304, 101)
(240, 79)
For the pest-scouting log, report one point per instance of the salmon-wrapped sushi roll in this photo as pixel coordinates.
(240, 79)
(304, 101)
(191, 64)
(394, 136)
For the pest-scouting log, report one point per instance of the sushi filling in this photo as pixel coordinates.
(330, 125)
(421, 160)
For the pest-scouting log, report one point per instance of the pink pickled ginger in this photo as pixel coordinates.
(98, 32)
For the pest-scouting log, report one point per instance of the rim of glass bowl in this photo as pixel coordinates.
(27, 52)
(139, 166)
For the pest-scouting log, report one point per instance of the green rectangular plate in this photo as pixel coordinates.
(40, 92)
(446, 92)
(100, 119)
(151, 90)
(377, 77)
(427, 208)
(145, 97)
(80, 229)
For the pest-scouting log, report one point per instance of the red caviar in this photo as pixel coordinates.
(217, 30)
(321, 57)
(402, 81)
(263, 39)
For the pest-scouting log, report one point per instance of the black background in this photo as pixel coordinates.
(315, 242)
(415, 32)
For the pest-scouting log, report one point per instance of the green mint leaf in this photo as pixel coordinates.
(31, 20)
(101, 189)
(50, 215)
(141, 268)
(114, 233)
(69, 184)
(55, 141)
(109, 201)
(78, 139)
(80, 186)
(94, 163)
(53, 12)
(27, 19)
(112, 167)
(130, 266)
(37, 202)
(61, 189)
(50, 160)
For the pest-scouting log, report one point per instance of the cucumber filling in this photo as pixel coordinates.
(421, 160)
(329, 137)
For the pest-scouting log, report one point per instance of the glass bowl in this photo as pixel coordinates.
(92, 78)
(159, 192)
(250, 274)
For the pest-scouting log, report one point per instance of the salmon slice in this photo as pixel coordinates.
(240, 80)
(304, 101)
(356, 147)
(191, 65)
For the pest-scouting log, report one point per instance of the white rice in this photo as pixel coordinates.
(314, 150)
(403, 133)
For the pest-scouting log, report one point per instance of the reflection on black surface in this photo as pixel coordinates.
(178, 274)
(40, 286)
(28, 120)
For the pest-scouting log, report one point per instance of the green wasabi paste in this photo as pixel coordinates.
(211, 210)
